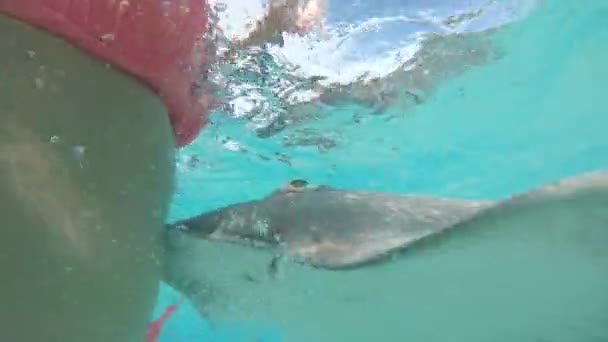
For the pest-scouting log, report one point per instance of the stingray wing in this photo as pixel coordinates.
(338, 229)
(342, 229)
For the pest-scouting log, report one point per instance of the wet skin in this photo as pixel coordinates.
(86, 164)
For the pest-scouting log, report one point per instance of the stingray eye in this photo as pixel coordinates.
(298, 184)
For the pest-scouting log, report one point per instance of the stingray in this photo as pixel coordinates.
(334, 228)
(394, 260)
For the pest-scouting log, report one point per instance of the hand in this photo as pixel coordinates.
(308, 16)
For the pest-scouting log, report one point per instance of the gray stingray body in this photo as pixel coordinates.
(463, 263)
(332, 228)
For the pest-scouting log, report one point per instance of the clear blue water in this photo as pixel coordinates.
(533, 116)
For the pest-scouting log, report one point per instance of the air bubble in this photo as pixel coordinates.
(39, 83)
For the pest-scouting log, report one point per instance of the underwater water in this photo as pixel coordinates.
(533, 115)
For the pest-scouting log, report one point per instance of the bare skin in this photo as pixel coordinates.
(87, 173)
(284, 16)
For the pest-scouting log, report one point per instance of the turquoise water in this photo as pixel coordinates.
(533, 116)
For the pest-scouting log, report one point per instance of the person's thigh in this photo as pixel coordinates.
(86, 175)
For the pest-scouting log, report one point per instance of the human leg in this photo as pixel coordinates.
(86, 164)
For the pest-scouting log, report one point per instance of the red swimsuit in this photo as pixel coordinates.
(158, 41)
